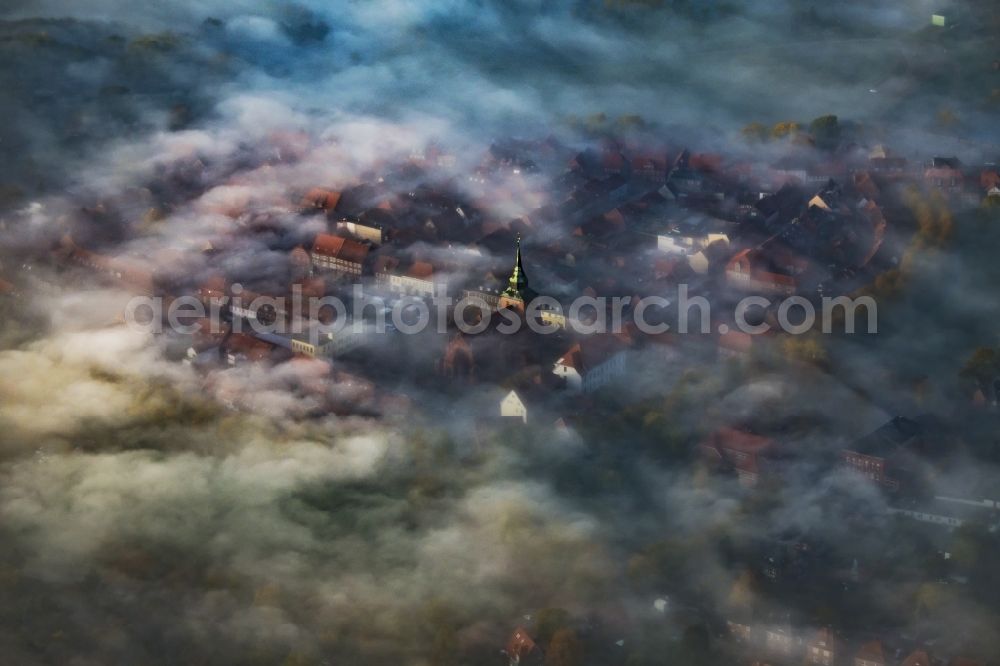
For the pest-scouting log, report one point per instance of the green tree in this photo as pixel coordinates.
(826, 132)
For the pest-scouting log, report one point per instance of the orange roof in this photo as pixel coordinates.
(649, 163)
(736, 341)
(760, 275)
(320, 198)
(705, 162)
(313, 287)
(572, 358)
(917, 658)
(520, 644)
(340, 248)
(738, 440)
(420, 269)
(943, 172)
(251, 347)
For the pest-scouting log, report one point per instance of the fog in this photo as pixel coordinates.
(152, 513)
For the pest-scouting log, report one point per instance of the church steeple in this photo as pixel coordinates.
(517, 292)
(518, 281)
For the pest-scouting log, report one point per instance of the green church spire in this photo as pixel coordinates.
(518, 282)
(517, 294)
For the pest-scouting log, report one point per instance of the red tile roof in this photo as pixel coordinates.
(254, 349)
(520, 644)
(320, 198)
(736, 341)
(738, 440)
(339, 247)
(917, 658)
(421, 270)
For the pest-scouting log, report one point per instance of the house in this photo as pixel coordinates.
(336, 253)
(888, 165)
(748, 270)
(243, 348)
(129, 273)
(779, 640)
(739, 627)
(822, 649)
(370, 232)
(892, 456)
(522, 650)
(917, 658)
(418, 278)
(590, 364)
(320, 199)
(513, 406)
(311, 340)
(699, 262)
(300, 262)
(742, 452)
(692, 235)
(870, 654)
(650, 168)
(944, 178)
(941, 512)
(735, 344)
(613, 163)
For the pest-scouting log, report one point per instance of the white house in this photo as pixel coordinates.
(418, 279)
(339, 254)
(512, 406)
(589, 365)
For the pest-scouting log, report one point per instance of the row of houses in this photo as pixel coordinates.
(781, 643)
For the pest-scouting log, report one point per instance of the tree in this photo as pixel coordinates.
(807, 349)
(754, 132)
(564, 649)
(982, 366)
(442, 624)
(695, 645)
(826, 132)
(785, 129)
(946, 118)
(548, 621)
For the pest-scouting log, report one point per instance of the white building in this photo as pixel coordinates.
(513, 406)
(591, 364)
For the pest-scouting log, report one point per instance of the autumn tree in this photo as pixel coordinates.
(754, 132)
(785, 129)
(807, 349)
(982, 366)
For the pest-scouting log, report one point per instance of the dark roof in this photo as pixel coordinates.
(888, 438)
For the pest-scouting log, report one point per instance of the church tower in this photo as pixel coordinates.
(517, 294)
